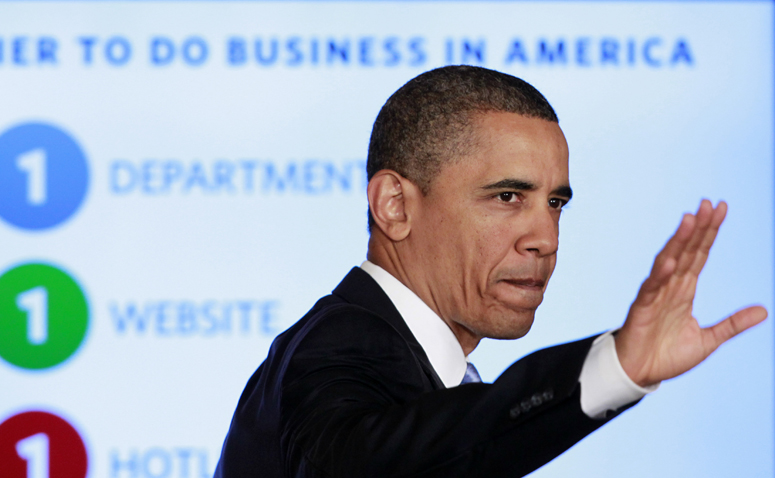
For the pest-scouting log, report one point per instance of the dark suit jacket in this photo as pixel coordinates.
(348, 392)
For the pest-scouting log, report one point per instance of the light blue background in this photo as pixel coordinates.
(646, 144)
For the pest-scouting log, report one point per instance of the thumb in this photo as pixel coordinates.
(738, 322)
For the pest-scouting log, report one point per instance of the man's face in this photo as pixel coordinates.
(487, 232)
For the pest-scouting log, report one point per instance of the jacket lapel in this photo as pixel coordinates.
(360, 289)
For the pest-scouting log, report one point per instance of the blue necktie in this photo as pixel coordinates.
(471, 376)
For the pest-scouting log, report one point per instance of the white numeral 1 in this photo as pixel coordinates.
(34, 450)
(35, 303)
(33, 163)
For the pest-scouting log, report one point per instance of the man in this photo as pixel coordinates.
(468, 174)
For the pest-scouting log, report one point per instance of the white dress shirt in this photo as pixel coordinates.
(604, 384)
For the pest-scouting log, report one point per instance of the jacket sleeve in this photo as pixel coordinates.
(354, 405)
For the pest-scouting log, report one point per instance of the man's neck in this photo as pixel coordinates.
(388, 258)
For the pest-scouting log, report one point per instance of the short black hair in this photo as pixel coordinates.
(427, 122)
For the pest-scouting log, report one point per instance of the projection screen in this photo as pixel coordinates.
(181, 181)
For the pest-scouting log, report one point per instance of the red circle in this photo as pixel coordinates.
(66, 451)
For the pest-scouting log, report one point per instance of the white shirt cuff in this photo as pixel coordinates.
(604, 383)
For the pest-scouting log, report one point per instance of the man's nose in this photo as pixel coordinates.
(540, 233)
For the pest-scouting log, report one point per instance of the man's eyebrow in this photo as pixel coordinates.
(517, 184)
(521, 185)
(565, 191)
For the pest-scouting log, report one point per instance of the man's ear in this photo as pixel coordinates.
(390, 195)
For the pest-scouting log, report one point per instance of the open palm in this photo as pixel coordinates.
(661, 338)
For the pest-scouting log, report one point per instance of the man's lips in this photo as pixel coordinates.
(526, 283)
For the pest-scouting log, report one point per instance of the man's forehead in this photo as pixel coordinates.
(492, 125)
(509, 145)
(504, 146)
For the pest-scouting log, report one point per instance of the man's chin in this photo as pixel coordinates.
(508, 325)
(511, 334)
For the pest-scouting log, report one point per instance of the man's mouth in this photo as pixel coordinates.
(526, 283)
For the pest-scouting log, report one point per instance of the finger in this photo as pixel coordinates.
(665, 262)
(710, 237)
(650, 288)
(704, 217)
(689, 234)
(719, 214)
(675, 245)
(734, 324)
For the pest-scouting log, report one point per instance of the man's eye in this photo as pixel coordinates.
(507, 197)
(556, 203)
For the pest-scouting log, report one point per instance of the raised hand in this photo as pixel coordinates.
(660, 338)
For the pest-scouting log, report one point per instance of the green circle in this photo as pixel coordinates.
(59, 310)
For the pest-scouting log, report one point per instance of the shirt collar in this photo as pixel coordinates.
(434, 335)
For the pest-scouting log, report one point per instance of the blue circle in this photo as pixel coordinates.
(65, 176)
